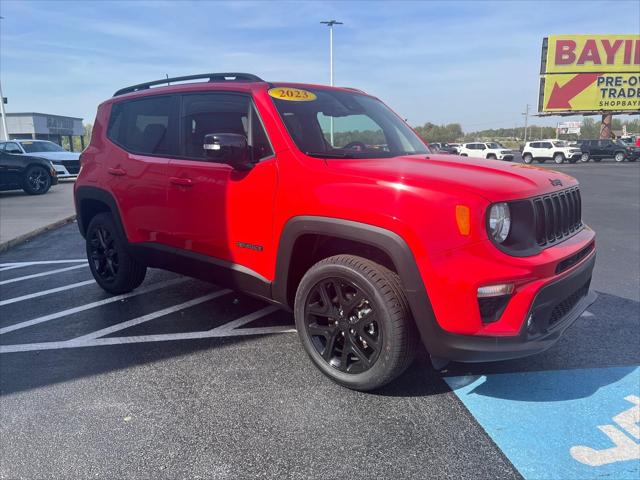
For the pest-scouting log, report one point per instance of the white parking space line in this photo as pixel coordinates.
(81, 308)
(213, 333)
(46, 292)
(151, 316)
(42, 274)
(43, 262)
(10, 267)
(246, 319)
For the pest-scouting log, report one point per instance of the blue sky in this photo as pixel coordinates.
(476, 63)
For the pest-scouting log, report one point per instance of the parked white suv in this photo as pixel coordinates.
(490, 150)
(556, 150)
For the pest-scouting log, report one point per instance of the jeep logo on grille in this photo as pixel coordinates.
(555, 182)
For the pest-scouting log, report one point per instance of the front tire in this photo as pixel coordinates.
(111, 265)
(491, 156)
(558, 158)
(354, 322)
(584, 158)
(619, 157)
(37, 180)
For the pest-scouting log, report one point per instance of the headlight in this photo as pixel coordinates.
(499, 222)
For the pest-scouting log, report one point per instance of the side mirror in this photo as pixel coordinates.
(231, 148)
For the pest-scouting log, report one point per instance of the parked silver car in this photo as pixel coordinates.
(67, 164)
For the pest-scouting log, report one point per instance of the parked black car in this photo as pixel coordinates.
(442, 148)
(34, 175)
(616, 149)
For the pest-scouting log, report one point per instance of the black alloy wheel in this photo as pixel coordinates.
(103, 254)
(354, 321)
(37, 180)
(113, 268)
(342, 324)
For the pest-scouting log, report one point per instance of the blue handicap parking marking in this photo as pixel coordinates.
(564, 424)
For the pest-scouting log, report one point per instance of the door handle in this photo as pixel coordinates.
(181, 181)
(118, 172)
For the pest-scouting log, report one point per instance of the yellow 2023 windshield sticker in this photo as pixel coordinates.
(292, 94)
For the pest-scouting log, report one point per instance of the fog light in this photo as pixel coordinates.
(495, 290)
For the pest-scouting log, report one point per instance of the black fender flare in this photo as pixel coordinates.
(389, 242)
(100, 195)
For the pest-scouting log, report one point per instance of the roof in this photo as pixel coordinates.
(25, 114)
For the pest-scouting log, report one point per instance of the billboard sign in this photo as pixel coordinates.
(566, 128)
(590, 73)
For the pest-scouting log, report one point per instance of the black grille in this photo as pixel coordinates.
(72, 166)
(566, 305)
(557, 216)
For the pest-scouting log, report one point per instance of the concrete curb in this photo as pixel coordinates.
(4, 246)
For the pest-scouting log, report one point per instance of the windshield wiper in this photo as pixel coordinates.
(329, 155)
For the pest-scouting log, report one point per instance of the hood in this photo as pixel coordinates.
(53, 156)
(493, 180)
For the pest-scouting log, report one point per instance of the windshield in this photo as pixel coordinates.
(621, 143)
(493, 145)
(33, 147)
(337, 124)
(560, 144)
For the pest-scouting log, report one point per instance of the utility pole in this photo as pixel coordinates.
(330, 24)
(5, 132)
(526, 121)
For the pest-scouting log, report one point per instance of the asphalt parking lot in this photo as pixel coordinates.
(184, 379)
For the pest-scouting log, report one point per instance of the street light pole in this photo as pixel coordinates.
(330, 24)
(2, 112)
(5, 132)
(526, 121)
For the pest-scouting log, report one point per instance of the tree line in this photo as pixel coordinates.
(452, 132)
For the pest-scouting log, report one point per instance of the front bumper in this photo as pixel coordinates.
(555, 307)
(505, 156)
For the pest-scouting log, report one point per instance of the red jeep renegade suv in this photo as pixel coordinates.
(322, 200)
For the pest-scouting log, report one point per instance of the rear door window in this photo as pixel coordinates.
(145, 126)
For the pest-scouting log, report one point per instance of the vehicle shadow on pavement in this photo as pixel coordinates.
(30, 370)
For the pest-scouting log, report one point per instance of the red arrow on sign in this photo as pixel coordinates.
(560, 95)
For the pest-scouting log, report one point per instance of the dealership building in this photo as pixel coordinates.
(43, 126)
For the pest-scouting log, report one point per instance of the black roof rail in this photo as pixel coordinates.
(213, 77)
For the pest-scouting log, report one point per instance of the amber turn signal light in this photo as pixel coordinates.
(463, 219)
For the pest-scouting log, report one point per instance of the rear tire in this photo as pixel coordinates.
(111, 265)
(527, 158)
(349, 302)
(37, 180)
